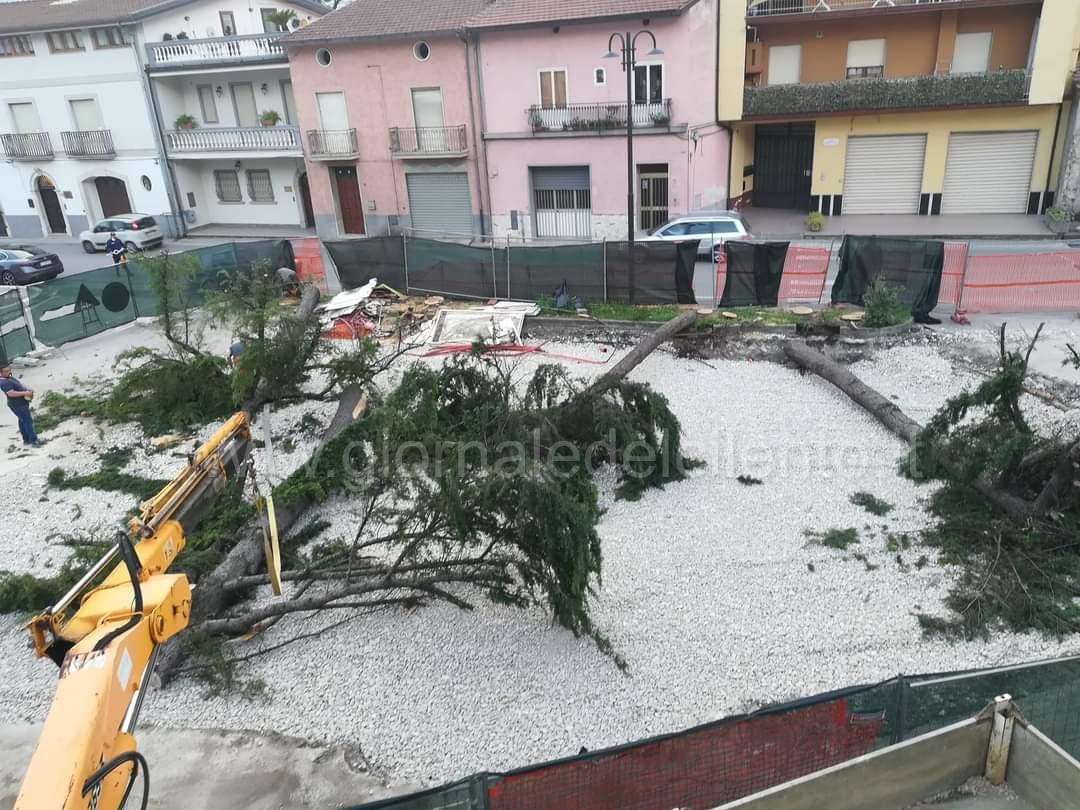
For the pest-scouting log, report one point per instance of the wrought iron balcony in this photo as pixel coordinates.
(880, 93)
(27, 145)
(332, 143)
(772, 8)
(88, 143)
(234, 139)
(589, 118)
(185, 52)
(428, 142)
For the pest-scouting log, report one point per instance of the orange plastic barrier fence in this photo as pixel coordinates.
(309, 262)
(1022, 282)
(805, 271)
(952, 272)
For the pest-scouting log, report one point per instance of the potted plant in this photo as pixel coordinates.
(660, 119)
(282, 18)
(182, 35)
(1059, 220)
(166, 37)
(269, 118)
(815, 221)
(185, 121)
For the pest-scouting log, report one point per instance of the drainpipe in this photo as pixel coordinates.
(1053, 149)
(172, 188)
(481, 158)
(483, 127)
(716, 105)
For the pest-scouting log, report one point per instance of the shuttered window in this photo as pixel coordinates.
(227, 185)
(972, 53)
(19, 45)
(552, 89)
(108, 38)
(64, 41)
(259, 187)
(865, 57)
(784, 64)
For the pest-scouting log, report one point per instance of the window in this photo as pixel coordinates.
(228, 23)
(865, 58)
(678, 229)
(332, 112)
(268, 26)
(290, 102)
(322, 56)
(552, 89)
(25, 117)
(259, 186)
(85, 114)
(207, 103)
(599, 77)
(19, 45)
(972, 53)
(64, 41)
(227, 186)
(784, 64)
(648, 84)
(422, 51)
(145, 180)
(715, 226)
(107, 37)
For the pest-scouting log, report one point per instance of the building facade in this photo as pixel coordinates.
(85, 94)
(854, 107)
(461, 118)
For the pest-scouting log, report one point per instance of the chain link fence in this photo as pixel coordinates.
(729, 759)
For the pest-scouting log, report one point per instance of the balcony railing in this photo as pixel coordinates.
(27, 145)
(598, 117)
(772, 8)
(234, 139)
(428, 141)
(909, 93)
(332, 143)
(88, 143)
(249, 48)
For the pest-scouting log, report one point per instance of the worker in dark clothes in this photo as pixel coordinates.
(18, 399)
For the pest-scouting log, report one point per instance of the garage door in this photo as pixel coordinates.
(988, 172)
(562, 202)
(883, 174)
(440, 202)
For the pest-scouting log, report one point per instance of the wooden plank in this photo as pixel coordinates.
(1041, 772)
(890, 779)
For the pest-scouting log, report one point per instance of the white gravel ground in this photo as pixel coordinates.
(707, 592)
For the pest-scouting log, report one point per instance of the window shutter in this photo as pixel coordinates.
(866, 53)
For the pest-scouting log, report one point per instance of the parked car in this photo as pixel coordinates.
(712, 229)
(24, 264)
(138, 231)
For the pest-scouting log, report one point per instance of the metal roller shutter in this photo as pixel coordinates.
(440, 203)
(883, 174)
(988, 172)
(562, 202)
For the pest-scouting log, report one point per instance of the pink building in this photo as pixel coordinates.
(503, 116)
(383, 96)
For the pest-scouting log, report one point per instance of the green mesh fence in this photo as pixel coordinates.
(15, 339)
(83, 304)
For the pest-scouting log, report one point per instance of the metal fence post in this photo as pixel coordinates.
(900, 710)
(494, 276)
(828, 267)
(603, 260)
(963, 278)
(131, 289)
(405, 258)
(508, 296)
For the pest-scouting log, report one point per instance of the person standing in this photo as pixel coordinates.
(18, 399)
(115, 247)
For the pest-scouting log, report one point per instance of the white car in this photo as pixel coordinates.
(711, 229)
(138, 231)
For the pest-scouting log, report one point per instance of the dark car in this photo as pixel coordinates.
(24, 264)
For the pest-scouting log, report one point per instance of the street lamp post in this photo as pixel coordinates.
(628, 43)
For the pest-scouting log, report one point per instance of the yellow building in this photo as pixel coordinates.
(897, 106)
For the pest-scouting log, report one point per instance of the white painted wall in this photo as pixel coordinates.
(198, 176)
(202, 20)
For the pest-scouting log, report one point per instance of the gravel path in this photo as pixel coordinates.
(708, 592)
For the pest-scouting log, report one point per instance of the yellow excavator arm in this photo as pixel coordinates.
(85, 758)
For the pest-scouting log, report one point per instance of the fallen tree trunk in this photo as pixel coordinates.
(890, 415)
(648, 344)
(1066, 475)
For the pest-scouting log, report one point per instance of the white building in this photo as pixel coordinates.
(90, 94)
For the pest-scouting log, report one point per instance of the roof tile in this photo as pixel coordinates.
(364, 19)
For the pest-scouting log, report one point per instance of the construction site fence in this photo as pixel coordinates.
(481, 269)
(77, 306)
(985, 277)
(725, 760)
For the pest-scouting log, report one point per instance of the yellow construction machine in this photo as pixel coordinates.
(86, 758)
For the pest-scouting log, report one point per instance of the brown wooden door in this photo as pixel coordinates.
(305, 201)
(349, 204)
(113, 195)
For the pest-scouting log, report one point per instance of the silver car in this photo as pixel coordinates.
(710, 229)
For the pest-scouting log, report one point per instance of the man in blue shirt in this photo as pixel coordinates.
(18, 399)
(115, 246)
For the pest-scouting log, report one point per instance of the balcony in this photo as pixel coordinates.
(88, 143)
(590, 118)
(233, 139)
(328, 144)
(909, 93)
(428, 142)
(758, 9)
(249, 49)
(27, 145)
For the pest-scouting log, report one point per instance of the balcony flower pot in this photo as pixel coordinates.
(815, 221)
(185, 121)
(1059, 221)
(269, 118)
